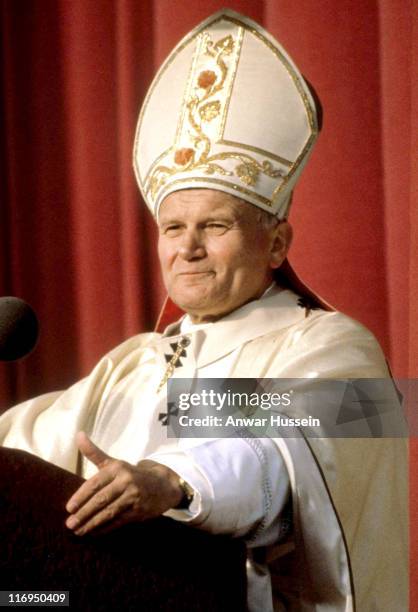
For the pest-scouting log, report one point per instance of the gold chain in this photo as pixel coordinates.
(173, 361)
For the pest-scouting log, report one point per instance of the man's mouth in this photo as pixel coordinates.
(195, 273)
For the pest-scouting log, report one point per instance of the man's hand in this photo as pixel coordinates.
(120, 492)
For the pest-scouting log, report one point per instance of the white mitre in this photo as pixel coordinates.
(228, 110)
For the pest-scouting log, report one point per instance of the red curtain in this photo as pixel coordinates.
(75, 238)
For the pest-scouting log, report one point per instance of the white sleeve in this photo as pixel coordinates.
(241, 486)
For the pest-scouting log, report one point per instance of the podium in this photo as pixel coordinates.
(157, 565)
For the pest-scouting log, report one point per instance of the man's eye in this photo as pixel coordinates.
(172, 230)
(216, 228)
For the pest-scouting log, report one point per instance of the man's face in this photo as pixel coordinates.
(215, 254)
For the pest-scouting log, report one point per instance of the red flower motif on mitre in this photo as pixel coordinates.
(183, 156)
(206, 79)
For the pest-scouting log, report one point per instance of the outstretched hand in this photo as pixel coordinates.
(120, 492)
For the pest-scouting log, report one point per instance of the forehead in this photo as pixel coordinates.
(204, 202)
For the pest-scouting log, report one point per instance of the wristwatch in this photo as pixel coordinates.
(188, 495)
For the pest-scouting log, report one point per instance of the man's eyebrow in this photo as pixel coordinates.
(227, 217)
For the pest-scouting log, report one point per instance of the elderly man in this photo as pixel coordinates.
(223, 135)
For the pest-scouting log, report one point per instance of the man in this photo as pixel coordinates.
(217, 156)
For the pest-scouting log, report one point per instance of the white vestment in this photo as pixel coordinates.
(349, 497)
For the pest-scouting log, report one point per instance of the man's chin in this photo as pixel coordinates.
(191, 307)
(194, 305)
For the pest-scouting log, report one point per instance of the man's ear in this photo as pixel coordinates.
(282, 239)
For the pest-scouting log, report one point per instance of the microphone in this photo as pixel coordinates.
(19, 329)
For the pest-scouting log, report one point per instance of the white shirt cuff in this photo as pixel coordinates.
(202, 502)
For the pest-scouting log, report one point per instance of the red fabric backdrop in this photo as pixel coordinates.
(77, 243)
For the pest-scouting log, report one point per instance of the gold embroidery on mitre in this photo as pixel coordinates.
(205, 104)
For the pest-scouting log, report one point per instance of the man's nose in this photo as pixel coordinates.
(192, 244)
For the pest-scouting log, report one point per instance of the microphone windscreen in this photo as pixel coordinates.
(19, 328)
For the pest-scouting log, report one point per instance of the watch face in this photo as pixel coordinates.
(188, 494)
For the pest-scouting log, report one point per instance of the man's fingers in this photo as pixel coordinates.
(122, 519)
(103, 499)
(88, 489)
(116, 513)
(90, 450)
